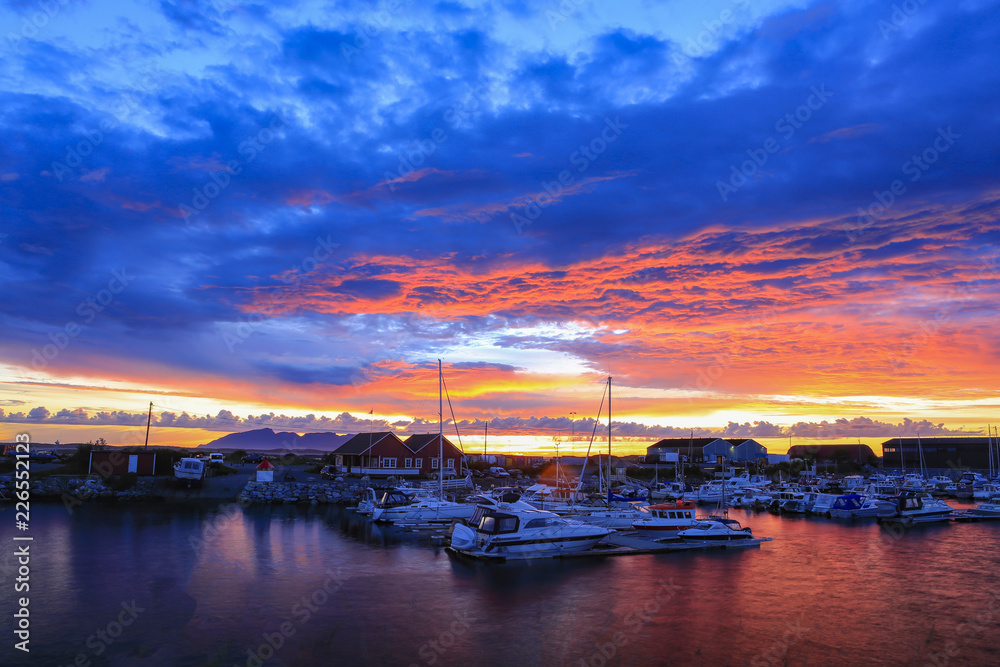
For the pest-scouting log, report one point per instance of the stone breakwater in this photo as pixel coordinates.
(77, 489)
(87, 488)
(314, 493)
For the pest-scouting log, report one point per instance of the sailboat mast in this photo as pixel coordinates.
(440, 434)
(149, 419)
(609, 441)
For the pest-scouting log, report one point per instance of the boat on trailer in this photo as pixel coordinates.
(190, 470)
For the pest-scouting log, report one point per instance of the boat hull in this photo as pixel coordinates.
(523, 548)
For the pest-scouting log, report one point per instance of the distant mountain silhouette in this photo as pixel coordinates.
(264, 439)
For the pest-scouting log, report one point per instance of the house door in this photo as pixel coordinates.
(133, 463)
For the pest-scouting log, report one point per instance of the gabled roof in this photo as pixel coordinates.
(683, 442)
(362, 442)
(980, 440)
(418, 441)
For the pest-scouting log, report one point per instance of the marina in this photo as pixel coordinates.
(217, 581)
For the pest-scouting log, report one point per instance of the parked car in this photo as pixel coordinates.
(497, 471)
(253, 458)
(516, 474)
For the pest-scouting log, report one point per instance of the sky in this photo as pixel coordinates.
(763, 219)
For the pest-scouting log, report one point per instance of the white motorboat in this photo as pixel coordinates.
(401, 495)
(552, 499)
(616, 518)
(714, 492)
(987, 509)
(190, 469)
(913, 508)
(420, 510)
(717, 530)
(666, 520)
(987, 491)
(511, 533)
(667, 491)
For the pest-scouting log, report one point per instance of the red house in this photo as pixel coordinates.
(384, 454)
(426, 450)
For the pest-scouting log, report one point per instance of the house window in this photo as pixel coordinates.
(389, 463)
(451, 463)
(418, 463)
(409, 463)
(434, 463)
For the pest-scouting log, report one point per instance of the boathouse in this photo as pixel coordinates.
(951, 453)
(860, 454)
(701, 450)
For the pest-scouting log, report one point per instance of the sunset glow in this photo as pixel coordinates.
(758, 225)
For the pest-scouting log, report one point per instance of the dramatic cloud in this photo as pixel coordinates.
(772, 215)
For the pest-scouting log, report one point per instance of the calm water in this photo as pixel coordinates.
(210, 586)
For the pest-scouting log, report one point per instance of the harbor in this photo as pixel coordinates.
(220, 580)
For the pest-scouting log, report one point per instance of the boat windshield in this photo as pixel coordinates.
(543, 522)
(495, 524)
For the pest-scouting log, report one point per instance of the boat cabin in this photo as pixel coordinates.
(673, 510)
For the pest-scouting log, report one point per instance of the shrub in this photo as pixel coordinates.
(121, 482)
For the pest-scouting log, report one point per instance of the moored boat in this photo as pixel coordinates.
(911, 508)
(507, 532)
(717, 530)
(666, 520)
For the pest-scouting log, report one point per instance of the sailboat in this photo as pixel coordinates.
(428, 510)
(608, 515)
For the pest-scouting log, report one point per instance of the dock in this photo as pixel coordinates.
(969, 516)
(618, 544)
